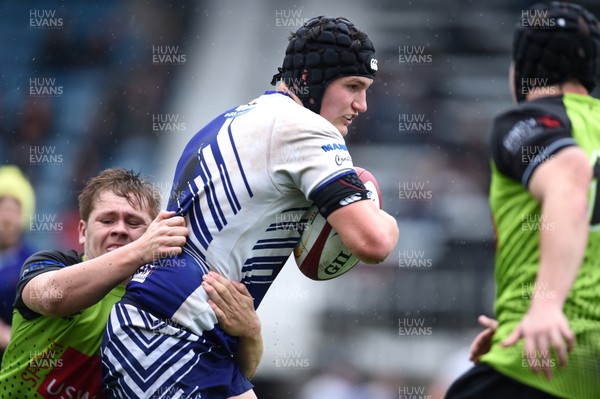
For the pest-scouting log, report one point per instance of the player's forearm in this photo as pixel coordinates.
(249, 353)
(74, 288)
(563, 239)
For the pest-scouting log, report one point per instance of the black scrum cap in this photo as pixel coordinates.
(554, 43)
(320, 51)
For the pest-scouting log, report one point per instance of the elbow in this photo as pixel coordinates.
(376, 248)
(51, 303)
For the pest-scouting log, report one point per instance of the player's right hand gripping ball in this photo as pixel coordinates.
(320, 253)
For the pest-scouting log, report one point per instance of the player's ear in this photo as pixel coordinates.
(82, 228)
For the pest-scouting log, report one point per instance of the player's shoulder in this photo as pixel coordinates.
(307, 125)
(49, 259)
(521, 122)
(39, 263)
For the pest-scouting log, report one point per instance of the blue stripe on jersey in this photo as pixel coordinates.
(276, 243)
(38, 265)
(199, 257)
(190, 244)
(295, 225)
(258, 274)
(229, 191)
(256, 260)
(148, 343)
(211, 195)
(183, 366)
(199, 228)
(188, 166)
(303, 208)
(237, 157)
(285, 239)
(202, 182)
(141, 375)
(224, 174)
(197, 235)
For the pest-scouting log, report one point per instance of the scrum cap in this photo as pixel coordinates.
(554, 43)
(320, 51)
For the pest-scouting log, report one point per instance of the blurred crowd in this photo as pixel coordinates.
(78, 92)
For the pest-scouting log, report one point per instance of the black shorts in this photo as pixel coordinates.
(482, 381)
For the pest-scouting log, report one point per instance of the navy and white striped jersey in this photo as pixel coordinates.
(243, 184)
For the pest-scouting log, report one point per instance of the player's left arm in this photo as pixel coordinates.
(234, 307)
(561, 185)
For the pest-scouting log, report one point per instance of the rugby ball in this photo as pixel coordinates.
(320, 253)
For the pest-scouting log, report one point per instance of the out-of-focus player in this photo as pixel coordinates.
(17, 204)
(237, 181)
(546, 207)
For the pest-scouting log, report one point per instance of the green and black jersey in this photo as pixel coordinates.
(54, 357)
(523, 138)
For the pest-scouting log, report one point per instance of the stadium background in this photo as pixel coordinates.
(96, 84)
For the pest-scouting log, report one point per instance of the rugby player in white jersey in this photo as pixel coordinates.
(235, 182)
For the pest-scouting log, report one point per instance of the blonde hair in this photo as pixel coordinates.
(14, 184)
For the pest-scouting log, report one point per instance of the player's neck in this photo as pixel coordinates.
(556, 90)
(283, 87)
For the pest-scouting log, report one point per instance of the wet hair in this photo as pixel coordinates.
(140, 194)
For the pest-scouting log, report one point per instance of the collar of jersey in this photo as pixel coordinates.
(269, 92)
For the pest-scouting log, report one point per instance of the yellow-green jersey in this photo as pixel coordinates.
(523, 138)
(54, 357)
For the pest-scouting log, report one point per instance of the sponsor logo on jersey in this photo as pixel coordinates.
(334, 147)
(520, 133)
(549, 121)
(524, 130)
(142, 273)
(78, 377)
(340, 160)
(238, 112)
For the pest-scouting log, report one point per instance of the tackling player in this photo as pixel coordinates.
(244, 173)
(63, 298)
(545, 165)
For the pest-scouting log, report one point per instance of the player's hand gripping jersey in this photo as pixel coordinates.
(243, 184)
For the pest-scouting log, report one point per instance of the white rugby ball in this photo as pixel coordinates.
(320, 253)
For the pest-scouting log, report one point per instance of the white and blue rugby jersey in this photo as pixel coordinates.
(243, 183)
